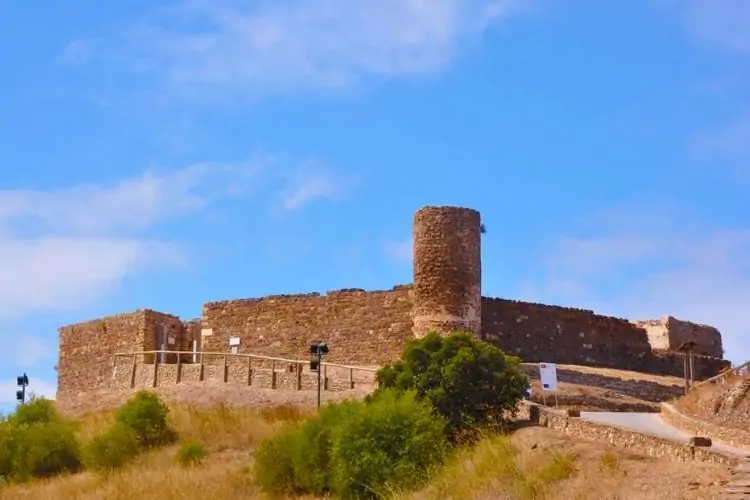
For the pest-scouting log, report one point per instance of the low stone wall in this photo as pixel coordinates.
(621, 438)
(640, 389)
(737, 438)
(286, 377)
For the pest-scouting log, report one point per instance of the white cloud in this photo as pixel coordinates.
(39, 387)
(400, 251)
(731, 139)
(700, 274)
(28, 351)
(75, 53)
(313, 181)
(61, 249)
(128, 204)
(246, 48)
(721, 23)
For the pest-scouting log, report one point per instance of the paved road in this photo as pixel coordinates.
(651, 423)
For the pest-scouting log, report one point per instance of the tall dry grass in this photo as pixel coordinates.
(229, 435)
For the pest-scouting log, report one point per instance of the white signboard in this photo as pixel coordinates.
(170, 340)
(233, 341)
(548, 376)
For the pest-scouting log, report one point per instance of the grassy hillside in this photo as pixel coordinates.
(532, 463)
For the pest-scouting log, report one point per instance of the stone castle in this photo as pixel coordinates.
(371, 328)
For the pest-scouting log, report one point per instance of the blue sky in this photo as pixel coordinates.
(164, 154)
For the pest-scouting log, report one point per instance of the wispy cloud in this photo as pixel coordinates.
(399, 250)
(127, 204)
(701, 274)
(314, 180)
(37, 387)
(721, 23)
(245, 49)
(60, 249)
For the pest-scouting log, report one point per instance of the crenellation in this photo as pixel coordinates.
(370, 328)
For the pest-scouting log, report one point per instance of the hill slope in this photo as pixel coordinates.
(533, 463)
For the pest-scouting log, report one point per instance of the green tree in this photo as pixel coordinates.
(471, 383)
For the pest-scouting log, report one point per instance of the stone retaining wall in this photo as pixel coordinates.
(618, 437)
(737, 438)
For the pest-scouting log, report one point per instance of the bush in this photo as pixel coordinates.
(191, 453)
(390, 444)
(112, 449)
(468, 381)
(311, 450)
(43, 450)
(354, 450)
(36, 411)
(146, 414)
(274, 469)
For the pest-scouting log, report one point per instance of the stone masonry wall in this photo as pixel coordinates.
(86, 350)
(731, 436)
(447, 270)
(563, 335)
(163, 332)
(670, 333)
(621, 438)
(365, 328)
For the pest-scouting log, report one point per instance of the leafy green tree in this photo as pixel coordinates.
(471, 383)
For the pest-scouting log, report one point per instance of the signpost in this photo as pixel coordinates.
(548, 380)
(317, 350)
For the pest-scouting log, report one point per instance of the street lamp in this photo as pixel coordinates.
(317, 349)
(22, 382)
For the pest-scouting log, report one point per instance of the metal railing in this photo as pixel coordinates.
(225, 357)
(740, 370)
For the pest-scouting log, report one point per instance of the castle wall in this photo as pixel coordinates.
(164, 332)
(360, 327)
(670, 333)
(447, 270)
(537, 332)
(86, 351)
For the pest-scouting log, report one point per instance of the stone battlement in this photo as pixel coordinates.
(371, 328)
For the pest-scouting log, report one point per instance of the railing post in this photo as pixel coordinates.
(273, 374)
(156, 371)
(132, 371)
(179, 369)
(351, 378)
(299, 376)
(201, 371)
(226, 370)
(249, 370)
(325, 377)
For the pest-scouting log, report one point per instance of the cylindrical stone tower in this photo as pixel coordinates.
(447, 293)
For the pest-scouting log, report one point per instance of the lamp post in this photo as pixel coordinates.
(22, 382)
(317, 350)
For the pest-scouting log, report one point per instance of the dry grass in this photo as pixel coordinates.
(229, 435)
(532, 464)
(725, 404)
(537, 464)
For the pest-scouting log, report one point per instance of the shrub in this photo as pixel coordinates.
(354, 450)
(112, 449)
(468, 381)
(274, 470)
(6, 451)
(36, 411)
(389, 444)
(146, 414)
(311, 450)
(43, 450)
(191, 453)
